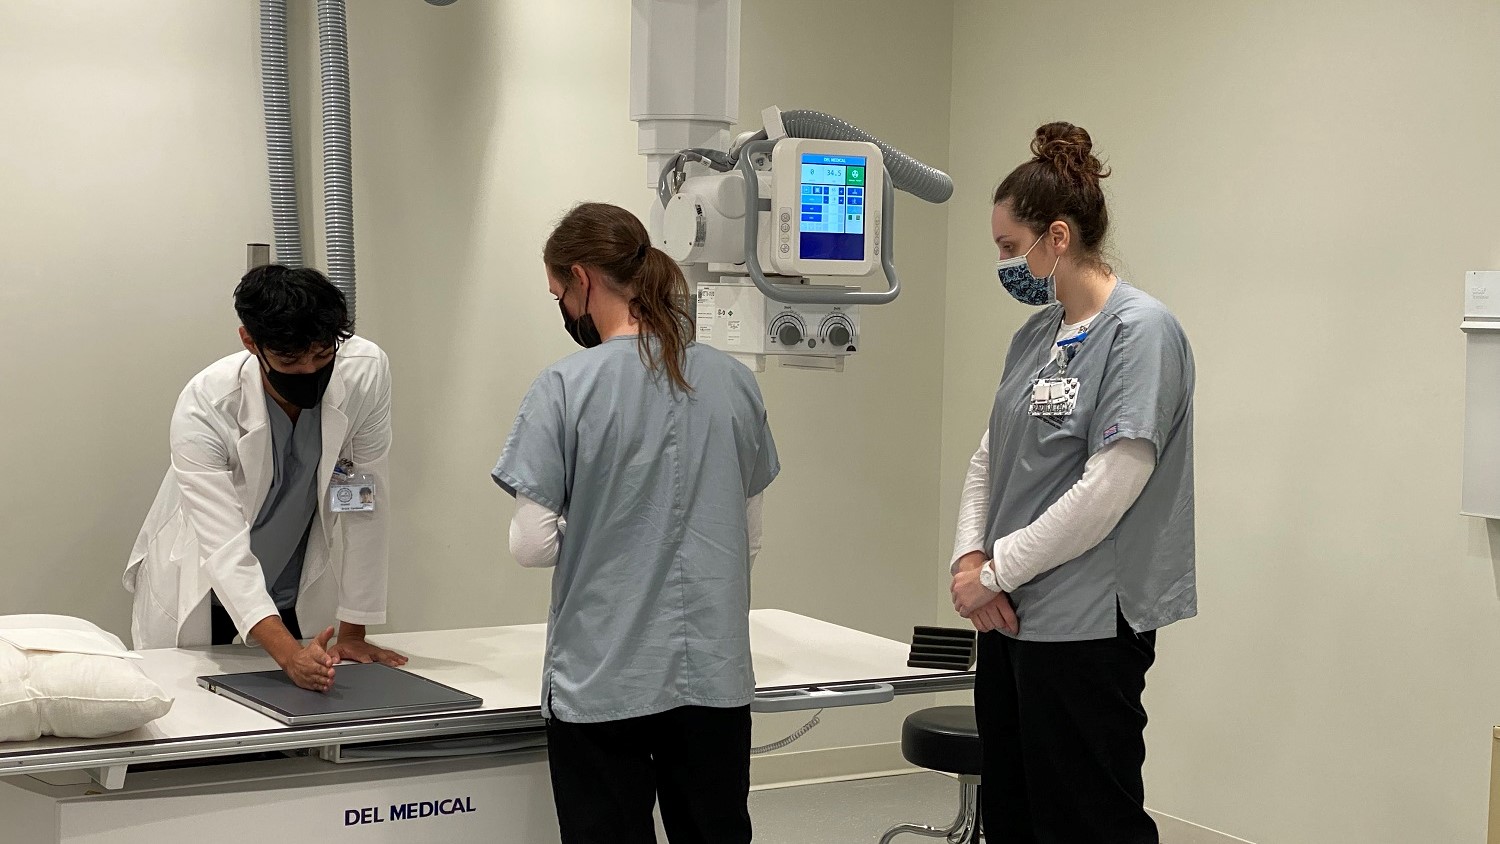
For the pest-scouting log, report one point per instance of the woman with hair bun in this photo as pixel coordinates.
(1075, 534)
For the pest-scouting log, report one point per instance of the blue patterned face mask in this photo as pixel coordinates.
(1015, 276)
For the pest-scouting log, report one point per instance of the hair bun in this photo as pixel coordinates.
(1069, 150)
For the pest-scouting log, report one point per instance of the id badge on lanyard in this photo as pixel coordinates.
(349, 492)
(1054, 399)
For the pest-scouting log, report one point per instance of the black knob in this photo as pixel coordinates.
(838, 334)
(789, 334)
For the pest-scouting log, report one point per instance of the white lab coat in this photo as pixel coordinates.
(196, 538)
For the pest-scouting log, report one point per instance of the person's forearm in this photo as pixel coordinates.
(973, 506)
(535, 534)
(753, 510)
(272, 635)
(972, 561)
(350, 632)
(1079, 520)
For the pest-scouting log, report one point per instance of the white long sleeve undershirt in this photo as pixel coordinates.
(535, 532)
(1112, 480)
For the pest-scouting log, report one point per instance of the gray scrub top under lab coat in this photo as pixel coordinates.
(1135, 372)
(278, 538)
(651, 596)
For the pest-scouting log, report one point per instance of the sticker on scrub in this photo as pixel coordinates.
(351, 493)
(1053, 398)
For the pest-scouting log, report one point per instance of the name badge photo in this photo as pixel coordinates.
(352, 494)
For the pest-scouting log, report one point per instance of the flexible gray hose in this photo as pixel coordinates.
(276, 96)
(806, 728)
(338, 183)
(920, 180)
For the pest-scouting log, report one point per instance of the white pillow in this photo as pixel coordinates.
(61, 634)
(62, 676)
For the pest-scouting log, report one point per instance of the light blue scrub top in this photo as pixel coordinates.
(1135, 373)
(651, 596)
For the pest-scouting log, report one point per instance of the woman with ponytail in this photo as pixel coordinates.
(637, 466)
(1075, 534)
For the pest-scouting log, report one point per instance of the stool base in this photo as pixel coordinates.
(963, 830)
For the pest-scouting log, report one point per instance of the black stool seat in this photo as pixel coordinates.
(943, 738)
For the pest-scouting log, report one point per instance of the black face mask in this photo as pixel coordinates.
(304, 391)
(581, 329)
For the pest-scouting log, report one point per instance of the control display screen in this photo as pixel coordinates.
(833, 207)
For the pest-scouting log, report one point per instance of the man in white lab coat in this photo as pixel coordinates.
(272, 518)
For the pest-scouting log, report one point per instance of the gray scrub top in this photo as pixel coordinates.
(278, 538)
(1135, 372)
(651, 595)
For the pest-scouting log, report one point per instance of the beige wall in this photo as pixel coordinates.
(1304, 184)
(131, 176)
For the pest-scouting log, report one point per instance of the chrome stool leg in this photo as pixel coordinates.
(963, 830)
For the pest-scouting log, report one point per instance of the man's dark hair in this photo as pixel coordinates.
(289, 311)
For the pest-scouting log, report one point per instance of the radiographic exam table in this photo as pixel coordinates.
(216, 770)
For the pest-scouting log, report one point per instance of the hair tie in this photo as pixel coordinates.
(641, 252)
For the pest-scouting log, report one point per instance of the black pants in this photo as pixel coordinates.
(224, 630)
(1063, 731)
(696, 760)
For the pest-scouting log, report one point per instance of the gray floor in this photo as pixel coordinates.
(860, 811)
(856, 812)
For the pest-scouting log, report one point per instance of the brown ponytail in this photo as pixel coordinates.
(1061, 182)
(613, 241)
